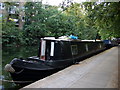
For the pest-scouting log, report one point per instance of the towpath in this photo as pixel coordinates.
(99, 71)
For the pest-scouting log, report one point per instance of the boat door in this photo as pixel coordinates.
(43, 49)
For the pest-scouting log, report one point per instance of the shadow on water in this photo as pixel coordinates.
(8, 53)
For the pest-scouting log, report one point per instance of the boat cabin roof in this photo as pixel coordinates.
(59, 39)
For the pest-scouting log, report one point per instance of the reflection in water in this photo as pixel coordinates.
(8, 53)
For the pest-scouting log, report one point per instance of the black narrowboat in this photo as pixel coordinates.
(54, 55)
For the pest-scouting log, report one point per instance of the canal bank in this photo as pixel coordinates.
(99, 71)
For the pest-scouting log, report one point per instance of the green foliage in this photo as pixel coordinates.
(106, 18)
(85, 20)
(10, 34)
(49, 21)
(83, 25)
(42, 20)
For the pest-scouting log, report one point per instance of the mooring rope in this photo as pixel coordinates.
(11, 81)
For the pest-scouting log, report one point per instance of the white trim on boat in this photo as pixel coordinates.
(52, 49)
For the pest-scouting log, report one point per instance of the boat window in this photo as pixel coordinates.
(86, 46)
(100, 45)
(74, 49)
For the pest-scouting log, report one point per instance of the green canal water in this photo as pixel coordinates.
(9, 53)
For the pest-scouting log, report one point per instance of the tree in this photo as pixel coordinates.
(105, 16)
(10, 33)
(45, 20)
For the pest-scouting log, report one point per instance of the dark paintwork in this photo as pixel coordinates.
(33, 68)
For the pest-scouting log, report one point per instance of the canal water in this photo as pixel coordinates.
(8, 53)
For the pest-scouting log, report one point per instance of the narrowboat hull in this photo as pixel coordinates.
(56, 56)
(28, 76)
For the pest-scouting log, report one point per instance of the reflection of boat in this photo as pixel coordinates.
(54, 55)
